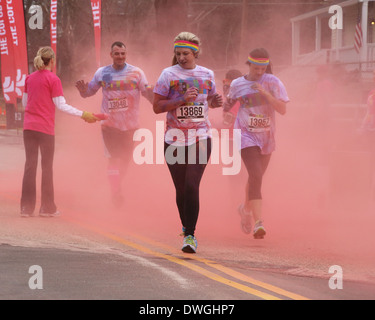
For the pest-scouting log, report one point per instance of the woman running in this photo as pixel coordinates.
(260, 94)
(185, 91)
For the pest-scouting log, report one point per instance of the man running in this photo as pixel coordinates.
(122, 84)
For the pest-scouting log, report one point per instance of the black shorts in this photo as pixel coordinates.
(118, 144)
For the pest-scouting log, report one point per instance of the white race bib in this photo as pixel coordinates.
(118, 105)
(193, 112)
(259, 123)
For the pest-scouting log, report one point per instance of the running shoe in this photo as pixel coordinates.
(259, 231)
(190, 244)
(25, 213)
(50, 214)
(245, 219)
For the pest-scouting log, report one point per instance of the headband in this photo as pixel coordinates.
(186, 44)
(259, 61)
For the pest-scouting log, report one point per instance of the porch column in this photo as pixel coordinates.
(364, 21)
(318, 33)
(295, 40)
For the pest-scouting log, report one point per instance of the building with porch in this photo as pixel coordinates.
(316, 42)
(318, 46)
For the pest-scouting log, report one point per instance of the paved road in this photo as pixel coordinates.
(78, 260)
(94, 251)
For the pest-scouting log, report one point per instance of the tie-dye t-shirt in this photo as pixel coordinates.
(256, 117)
(121, 95)
(191, 119)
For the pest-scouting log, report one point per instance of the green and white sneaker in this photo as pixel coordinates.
(259, 231)
(190, 244)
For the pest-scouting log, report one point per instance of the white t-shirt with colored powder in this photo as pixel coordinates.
(256, 117)
(191, 119)
(121, 95)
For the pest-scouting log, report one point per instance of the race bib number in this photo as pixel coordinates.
(259, 123)
(118, 105)
(191, 113)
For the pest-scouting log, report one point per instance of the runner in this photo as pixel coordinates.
(230, 116)
(122, 84)
(260, 94)
(185, 91)
(43, 93)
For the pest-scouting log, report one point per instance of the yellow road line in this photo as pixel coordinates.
(203, 271)
(229, 271)
(240, 276)
(179, 261)
(194, 267)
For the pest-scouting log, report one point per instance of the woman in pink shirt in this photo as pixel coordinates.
(43, 93)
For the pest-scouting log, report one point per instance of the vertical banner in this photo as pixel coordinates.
(8, 70)
(96, 7)
(53, 29)
(17, 31)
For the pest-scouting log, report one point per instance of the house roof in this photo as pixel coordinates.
(323, 11)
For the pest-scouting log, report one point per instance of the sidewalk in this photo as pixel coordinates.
(11, 136)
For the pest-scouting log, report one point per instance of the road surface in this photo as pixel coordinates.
(95, 251)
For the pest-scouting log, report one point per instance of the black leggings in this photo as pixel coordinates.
(256, 165)
(186, 178)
